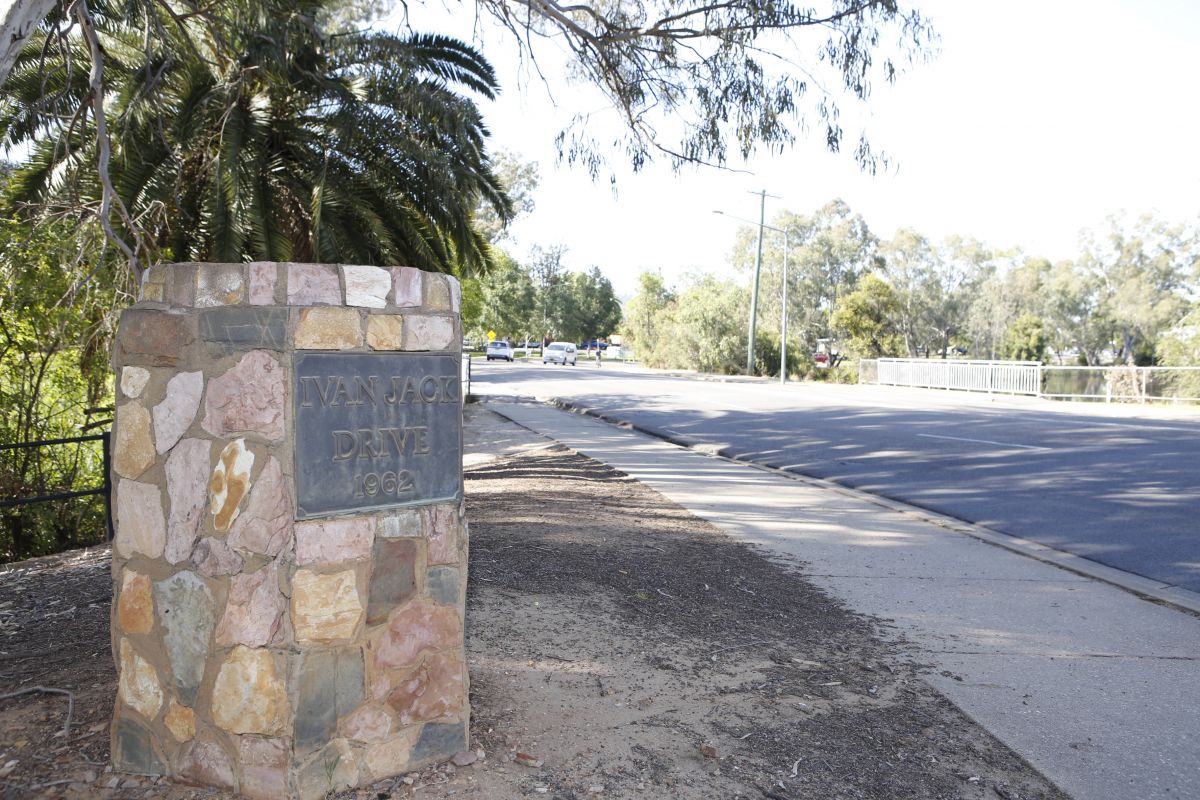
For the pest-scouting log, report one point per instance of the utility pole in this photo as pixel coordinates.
(762, 210)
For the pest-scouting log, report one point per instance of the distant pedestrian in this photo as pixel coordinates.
(597, 356)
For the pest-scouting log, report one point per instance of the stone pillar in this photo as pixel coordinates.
(289, 562)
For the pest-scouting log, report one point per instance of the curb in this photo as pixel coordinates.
(1148, 589)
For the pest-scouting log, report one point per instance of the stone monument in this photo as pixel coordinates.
(290, 550)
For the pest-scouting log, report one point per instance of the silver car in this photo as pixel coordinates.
(559, 353)
(500, 349)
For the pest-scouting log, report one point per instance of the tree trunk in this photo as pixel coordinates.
(19, 19)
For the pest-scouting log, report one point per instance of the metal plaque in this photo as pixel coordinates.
(375, 430)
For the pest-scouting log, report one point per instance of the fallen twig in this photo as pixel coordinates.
(49, 690)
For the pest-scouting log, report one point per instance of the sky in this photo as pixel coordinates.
(1037, 119)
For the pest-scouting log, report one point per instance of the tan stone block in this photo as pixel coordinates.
(385, 332)
(229, 483)
(391, 757)
(133, 381)
(141, 526)
(133, 445)
(417, 628)
(329, 328)
(248, 695)
(180, 721)
(428, 333)
(138, 686)
(437, 293)
(135, 605)
(219, 285)
(325, 607)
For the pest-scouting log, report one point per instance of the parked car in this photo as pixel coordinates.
(559, 353)
(592, 345)
(500, 349)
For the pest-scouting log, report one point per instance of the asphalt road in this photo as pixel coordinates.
(1099, 482)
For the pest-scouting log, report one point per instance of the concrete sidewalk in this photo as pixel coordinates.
(1097, 688)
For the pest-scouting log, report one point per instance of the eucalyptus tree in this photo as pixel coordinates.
(256, 136)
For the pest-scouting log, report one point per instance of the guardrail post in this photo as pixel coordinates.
(106, 460)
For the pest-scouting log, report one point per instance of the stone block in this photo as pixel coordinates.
(180, 721)
(265, 526)
(133, 447)
(263, 275)
(154, 282)
(138, 686)
(390, 757)
(407, 286)
(264, 766)
(254, 609)
(152, 338)
(134, 750)
(214, 557)
(248, 694)
(133, 381)
(330, 686)
(187, 473)
(332, 541)
(174, 415)
(312, 285)
(181, 284)
(219, 285)
(400, 523)
(455, 293)
(442, 585)
(237, 328)
(325, 608)
(247, 399)
(393, 577)
(436, 688)
(230, 482)
(423, 332)
(135, 604)
(366, 286)
(444, 538)
(437, 293)
(141, 527)
(438, 742)
(329, 329)
(333, 769)
(204, 762)
(385, 332)
(418, 628)
(368, 724)
(186, 615)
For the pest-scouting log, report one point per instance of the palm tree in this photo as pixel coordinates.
(257, 136)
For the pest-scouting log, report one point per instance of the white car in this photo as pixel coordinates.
(499, 349)
(559, 353)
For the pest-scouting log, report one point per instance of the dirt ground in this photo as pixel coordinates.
(618, 648)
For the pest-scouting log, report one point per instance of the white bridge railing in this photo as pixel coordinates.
(1108, 384)
(1008, 377)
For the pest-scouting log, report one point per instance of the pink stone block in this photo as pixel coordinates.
(254, 609)
(333, 541)
(263, 275)
(444, 535)
(417, 628)
(407, 289)
(247, 398)
(205, 763)
(174, 415)
(265, 526)
(367, 724)
(313, 284)
(428, 333)
(434, 689)
(264, 766)
(188, 469)
(140, 524)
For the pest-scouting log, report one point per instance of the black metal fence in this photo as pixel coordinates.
(105, 490)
